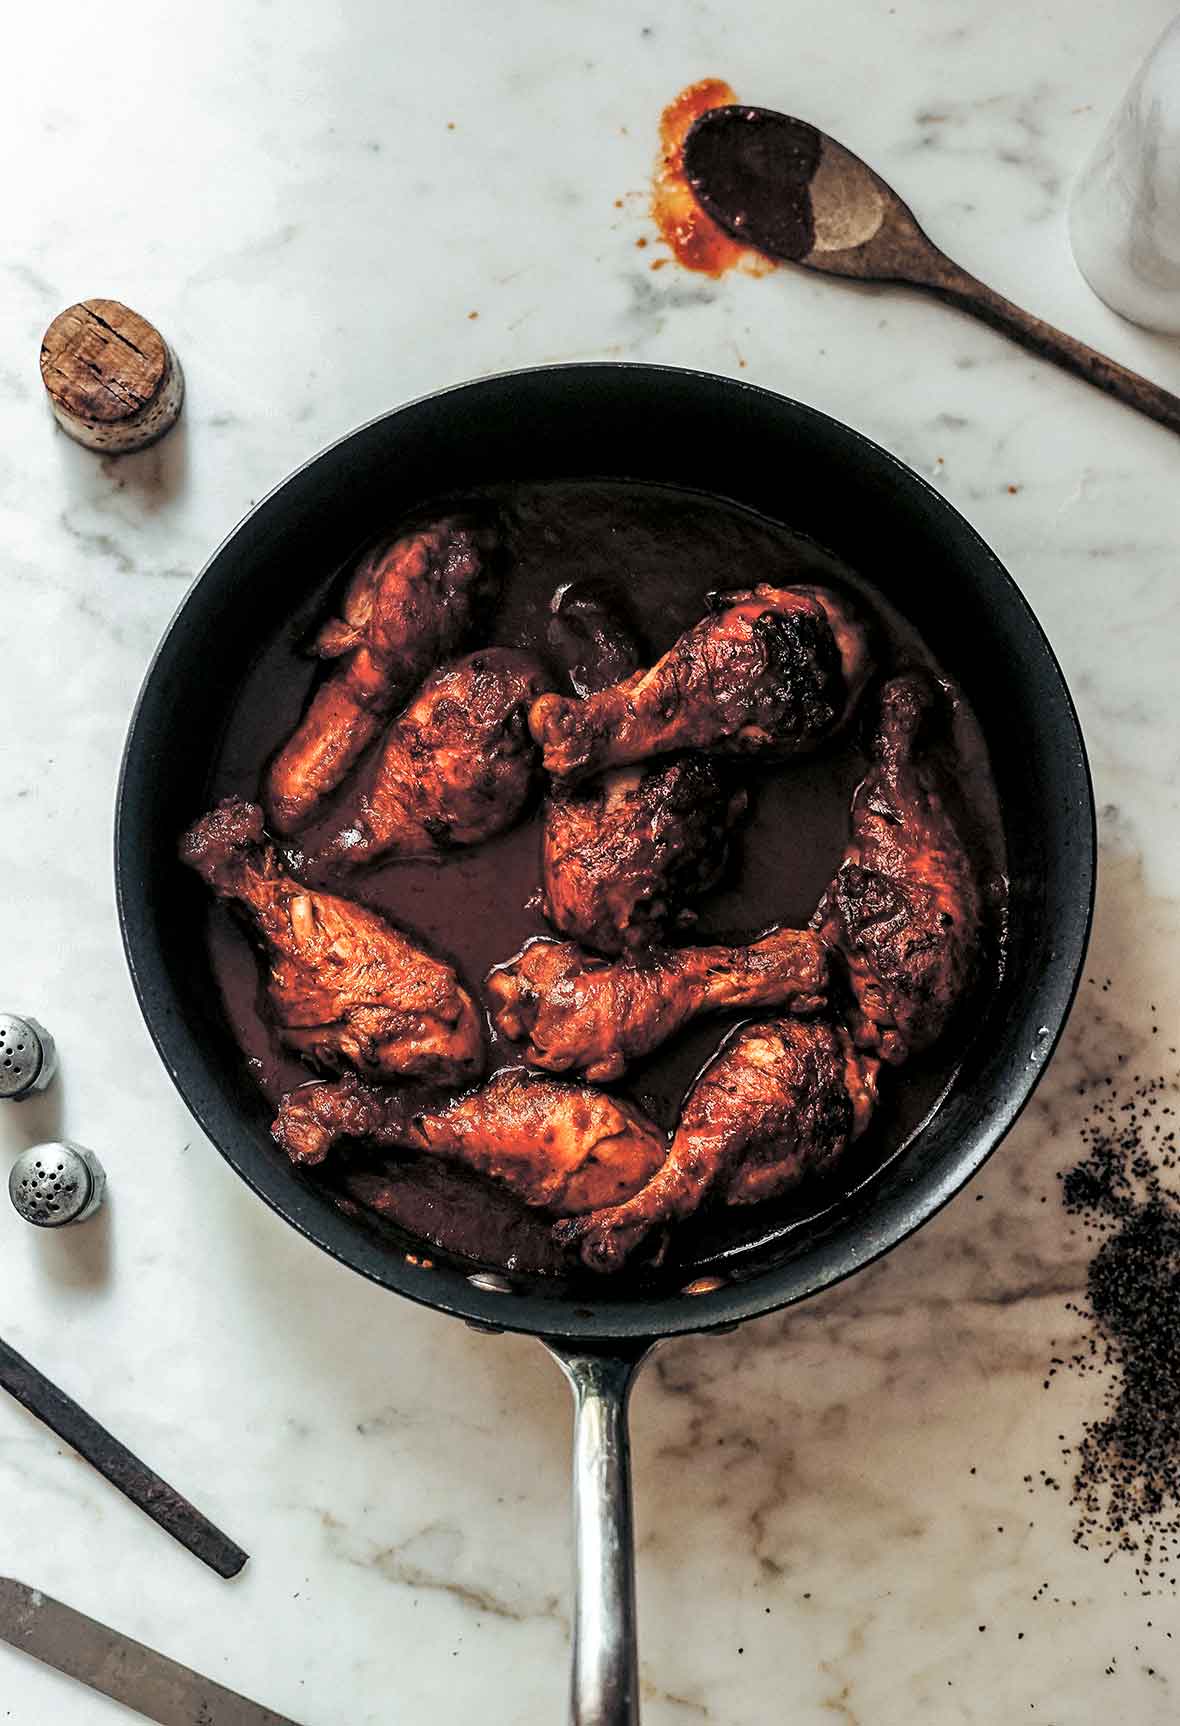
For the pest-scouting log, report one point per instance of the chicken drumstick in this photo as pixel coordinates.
(409, 603)
(579, 1012)
(346, 987)
(904, 908)
(772, 670)
(561, 1147)
(780, 1099)
(456, 768)
(621, 854)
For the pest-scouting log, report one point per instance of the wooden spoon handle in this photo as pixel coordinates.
(965, 291)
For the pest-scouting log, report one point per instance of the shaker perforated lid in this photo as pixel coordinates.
(28, 1059)
(51, 1185)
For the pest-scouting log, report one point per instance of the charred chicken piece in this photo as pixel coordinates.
(576, 1012)
(560, 1147)
(456, 768)
(904, 908)
(620, 856)
(771, 671)
(345, 986)
(589, 639)
(408, 605)
(780, 1100)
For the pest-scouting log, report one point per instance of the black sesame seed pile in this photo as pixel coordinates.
(1125, 1195)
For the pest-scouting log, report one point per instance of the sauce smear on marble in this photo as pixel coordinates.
(694, 237)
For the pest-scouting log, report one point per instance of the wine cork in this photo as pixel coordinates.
(113, 382)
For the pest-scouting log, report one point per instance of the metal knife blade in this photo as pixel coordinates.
(115, 1665)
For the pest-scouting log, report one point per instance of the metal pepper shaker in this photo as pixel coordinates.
(55, 1184)
(28, 1058)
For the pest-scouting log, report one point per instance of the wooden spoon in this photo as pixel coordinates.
(779, 184)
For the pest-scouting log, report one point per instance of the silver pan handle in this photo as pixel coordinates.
(605, 1687)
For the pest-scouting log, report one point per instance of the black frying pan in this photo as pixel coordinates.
(795, 465)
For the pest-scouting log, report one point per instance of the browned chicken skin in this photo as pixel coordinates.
(346, 987)
(409, 604)
(773, 670)
(620, 855)
(579, 1012)
(904, 908)
(561, 1147)
(456, 768)
(779, 1100)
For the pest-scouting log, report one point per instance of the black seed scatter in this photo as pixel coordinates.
(1124, 1194)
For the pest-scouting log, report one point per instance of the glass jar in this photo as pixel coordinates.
(1124, 213)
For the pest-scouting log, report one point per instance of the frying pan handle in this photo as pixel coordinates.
(605, 1687)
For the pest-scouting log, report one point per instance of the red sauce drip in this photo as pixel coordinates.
(696, 240)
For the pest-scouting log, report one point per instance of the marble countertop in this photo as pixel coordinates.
(313, 202)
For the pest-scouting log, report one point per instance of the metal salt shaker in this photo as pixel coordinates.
(56, 1184)
(28, 1058)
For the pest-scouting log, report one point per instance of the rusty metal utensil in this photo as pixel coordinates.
(114, 1665)
(134, 1479)
(777, 183)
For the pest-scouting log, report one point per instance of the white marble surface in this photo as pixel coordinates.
(818, 1495)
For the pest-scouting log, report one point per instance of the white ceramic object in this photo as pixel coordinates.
(1124, 215)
